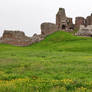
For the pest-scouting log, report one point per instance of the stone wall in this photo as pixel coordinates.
(13, 34)
(70, 24)
(18, 38)
(65, 23)
(48, 28)
(85, 31)
(83, 21)
(89, 20)
(62, 21)
(79, 21)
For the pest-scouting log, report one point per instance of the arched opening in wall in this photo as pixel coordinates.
(63, 27)
(71, 28)
(90, 35)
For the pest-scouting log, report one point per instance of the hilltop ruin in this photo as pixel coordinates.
(63, 23)
(66, 24)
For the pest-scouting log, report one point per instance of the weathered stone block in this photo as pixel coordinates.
(48, 28)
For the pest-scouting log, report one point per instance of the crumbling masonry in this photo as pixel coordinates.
(63, 23)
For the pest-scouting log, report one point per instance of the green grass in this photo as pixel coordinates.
(60, 56)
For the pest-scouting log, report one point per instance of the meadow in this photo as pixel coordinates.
(60, 63)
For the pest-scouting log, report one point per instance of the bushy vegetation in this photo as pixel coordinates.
(60, 63)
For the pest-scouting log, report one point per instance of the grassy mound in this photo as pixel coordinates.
(66, 42)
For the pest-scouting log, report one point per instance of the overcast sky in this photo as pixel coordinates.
(27, 15)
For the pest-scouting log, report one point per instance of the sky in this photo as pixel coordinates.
(27, 15)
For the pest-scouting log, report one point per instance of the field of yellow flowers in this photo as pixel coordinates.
(43, 85)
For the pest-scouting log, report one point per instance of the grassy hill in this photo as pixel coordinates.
(60, 63)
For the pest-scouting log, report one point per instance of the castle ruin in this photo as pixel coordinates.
(84, 26)
(66, 24)
(63, 23)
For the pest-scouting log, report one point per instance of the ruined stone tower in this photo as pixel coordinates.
(89, 20)
(79, 21)
(62, 21)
